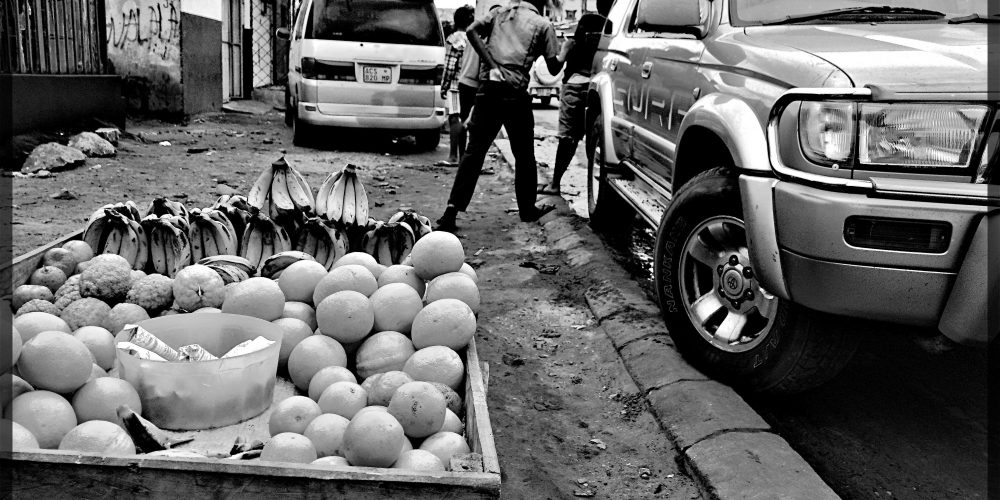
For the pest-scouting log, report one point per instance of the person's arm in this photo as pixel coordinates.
(550, 50)
(475, 34)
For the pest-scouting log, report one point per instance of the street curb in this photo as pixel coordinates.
(724, 444)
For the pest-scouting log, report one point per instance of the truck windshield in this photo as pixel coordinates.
(753, 12)
(410, 22)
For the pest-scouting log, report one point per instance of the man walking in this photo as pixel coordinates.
(578, 54)
(517, 36)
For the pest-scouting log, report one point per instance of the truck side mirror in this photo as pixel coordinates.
(281, 33)
(673, 16)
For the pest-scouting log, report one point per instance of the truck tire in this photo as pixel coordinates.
(609, 213)
(719, 317)
(427, 140)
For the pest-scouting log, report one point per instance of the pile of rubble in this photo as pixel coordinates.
(54, 156)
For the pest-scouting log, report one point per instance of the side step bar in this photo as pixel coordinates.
(646, 200)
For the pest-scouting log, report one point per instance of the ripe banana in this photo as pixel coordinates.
(163, 206)
(323, 241)
(300, 191)
(229, 273)
(257, 196)
(279, 190)
(169, 244)
(234, 261)
(335, 202)
(389, 242)
(210, 234)
(275, 264)
(350, 203)
(324, 192)
(263, 238)
(142, 254)
(420, 224)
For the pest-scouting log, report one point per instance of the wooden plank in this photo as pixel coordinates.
(477, 425)
(18, 271)
(42, 44)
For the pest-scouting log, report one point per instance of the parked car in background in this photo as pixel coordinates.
(543, 85)
(804, 162)
(373, 64)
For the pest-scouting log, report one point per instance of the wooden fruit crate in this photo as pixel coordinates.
(61, 474)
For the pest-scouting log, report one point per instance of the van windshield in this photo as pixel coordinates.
(410, 22)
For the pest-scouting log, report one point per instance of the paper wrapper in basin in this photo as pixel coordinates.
(192, 395)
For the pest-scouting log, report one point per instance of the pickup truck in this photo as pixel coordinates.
(807, 164)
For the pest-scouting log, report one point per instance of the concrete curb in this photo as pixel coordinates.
(724, 444)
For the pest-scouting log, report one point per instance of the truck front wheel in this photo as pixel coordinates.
(717, 313)
(609, 213)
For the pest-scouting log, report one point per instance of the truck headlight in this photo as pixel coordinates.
(827, 131)
(919, 135)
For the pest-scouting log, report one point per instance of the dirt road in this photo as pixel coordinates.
(567, 418)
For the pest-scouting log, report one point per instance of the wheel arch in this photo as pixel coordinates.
(599, 102)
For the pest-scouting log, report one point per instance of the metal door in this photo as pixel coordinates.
(232, 49)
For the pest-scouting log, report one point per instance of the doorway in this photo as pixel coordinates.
(232, 49)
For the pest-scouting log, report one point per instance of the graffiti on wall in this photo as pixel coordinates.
(144, 46)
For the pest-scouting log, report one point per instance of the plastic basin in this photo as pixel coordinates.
(204, 394)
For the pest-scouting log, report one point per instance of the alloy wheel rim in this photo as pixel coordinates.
(720, 292)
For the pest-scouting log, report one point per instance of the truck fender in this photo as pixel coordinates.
(734, 122)
(601, 93)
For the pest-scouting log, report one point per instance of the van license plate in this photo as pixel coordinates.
(376, 74)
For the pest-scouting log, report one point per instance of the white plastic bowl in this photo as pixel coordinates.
(191, 395)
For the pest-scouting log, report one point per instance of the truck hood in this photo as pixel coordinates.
(931, 57)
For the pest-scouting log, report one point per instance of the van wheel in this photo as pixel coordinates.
(427, 140)
(608, 211)
(719, 316)
(302, 133)
(289, 112)
(546, 101)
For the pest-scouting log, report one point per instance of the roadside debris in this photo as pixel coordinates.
(165, 143)
(110, 134)
(65, 194)
(52, 156)
(542, 268)
(92, 145)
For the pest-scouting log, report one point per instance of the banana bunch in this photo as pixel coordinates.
(275, 264)
(389, 242)
(116, 229)
(231, 268)
(281, 189)
(342, 198)
(163, 206)
(169, 244)
(237, 210)
(420, 224)
(262, 239)
(211, 233)
(322, 240)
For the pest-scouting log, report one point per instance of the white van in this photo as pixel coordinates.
(374, 64)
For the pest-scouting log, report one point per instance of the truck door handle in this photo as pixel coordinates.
(647, 68)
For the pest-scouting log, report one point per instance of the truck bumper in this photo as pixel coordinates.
(371, 117)
(946, 287)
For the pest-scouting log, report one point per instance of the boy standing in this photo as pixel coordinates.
(453, 58)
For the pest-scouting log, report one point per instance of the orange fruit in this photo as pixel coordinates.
(383, 352)
(445, 445)
(100, 398)
(298, 281)
(125, 314)
(402, 274)
(373, 439)
(383, 409)
(198, 286)
(457, 285)
(447, 322)
(80, 249)
(26, 293)
(347, 277)
(295, 331)
(314, 353)
(61, 258)
(98, 436)
(96, 372)
(327, 376)
(333, 461)
(12, 386)
(452, 397)
(50, 277)
(343, 398)
(347, 316)
(300, 310)
(21, 438)
(207, 310)
(436, 253)
(101, 344)
(15, 346)
(382, 386)
(327, 433)
(470, 272)
(88, 311)
(436, 364)
(419, 407)
(258, 297)
(292, 414)
(29, 324)
(288, 447)
(361, 259)
(418, 460)
(55, 361)
(46, 414)
(452, 423)
(395, 305)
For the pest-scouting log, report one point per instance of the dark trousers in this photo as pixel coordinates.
(466, 98)
(496, 106)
